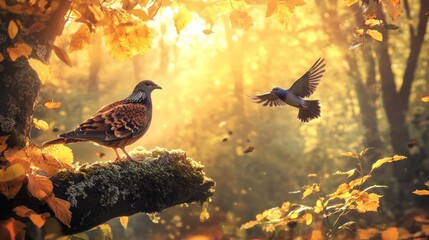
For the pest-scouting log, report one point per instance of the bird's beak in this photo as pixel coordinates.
(158, 87)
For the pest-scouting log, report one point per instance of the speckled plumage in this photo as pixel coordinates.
(118, 124)
(294, 96)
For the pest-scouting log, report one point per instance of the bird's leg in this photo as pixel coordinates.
(118, 158)
(128, 156)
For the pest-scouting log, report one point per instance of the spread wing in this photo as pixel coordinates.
(307, 84)
(269, 99)
(118, 123)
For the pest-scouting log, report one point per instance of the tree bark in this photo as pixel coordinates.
(103, 191)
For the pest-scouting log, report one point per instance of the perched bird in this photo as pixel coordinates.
(303, 87)
(118, 124)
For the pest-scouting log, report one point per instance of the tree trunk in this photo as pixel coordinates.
(94, 65)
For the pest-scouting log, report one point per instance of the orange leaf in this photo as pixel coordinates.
(1, 57)
(153, 8)
(61, 208)
(241, 19)
(421, 192)
(38, 219)
(367, 233)
(44, 160)
(342, 192)
(10, 228)
(62, 55)
(308, 218)
(40, 124)
(60, 153)
(182, 18)
(393, 8)
(12, 29)
(39, 186)
(425, 99)
(80, 39)
(421, 219)
(391, 233)
(3, 144)
(10, 189)
(387, 160)
(427, 183)
(271, 7)
(249, 224)
(124, 221)
(50, 104)
(359, 181)
(19, 50)
(11, 173)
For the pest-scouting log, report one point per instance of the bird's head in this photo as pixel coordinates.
(276, 90)
(146, 86)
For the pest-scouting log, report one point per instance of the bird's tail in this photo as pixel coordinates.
(59, 141)
(312, 111)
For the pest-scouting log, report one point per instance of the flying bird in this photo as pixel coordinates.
(116, 125)
(294, 96)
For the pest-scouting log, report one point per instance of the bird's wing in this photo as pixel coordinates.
(269, 99)
(109, 107)
(122, 121)
(307, 84)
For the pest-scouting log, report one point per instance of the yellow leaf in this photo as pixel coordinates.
(241, 19)
(349, 173)
(367, 233)
(249, 224)
(3, 144)
(12, 172)
(350, 2)
(38, 219)
(40, 124)
(391, 233)
(319, 205)
(274, 214)
(367, 202)
(80, 39)
(425, 99)
(350, 155)
(312, 175)
(375, 34)
(60, 152)
(60, 208)
(44, 160)
(39, 186)
(293, 214)
(41, 69)
(12, 29)
(359, 181)
(182, 18)
(11, 188)
(19, 50)
(373, 22)
(387, 160)
(421, 192)
(50, 104)
(62, 55)
(308, 218)
(342, 192)
(124, 42)
(204, 215)
(285, 206)
(310, 189)
(124, 221)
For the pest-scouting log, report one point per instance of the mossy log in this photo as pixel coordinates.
(102, 191)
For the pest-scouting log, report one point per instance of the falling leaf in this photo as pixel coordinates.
(425, 99)
(421, 192)
(50, 104)
(391, 233)
(124, 221)
(271, 7)
(11, 188)
(40, 124)
(241, 19)
(10, 228)
(38, 219)
(230, 132)
(81, 38)
(55, 129)
(207, 31)
(62, 55)
(100, 154)
(249, 224)
(182, 18)
(249, 149)
(11, 173)
(19, 50)
(12, 29)
(387, 160)
(124, 42)
(60, 152)
(3, 144)
(350, 2)
(61, 209)
(225, 139)
(375, 34)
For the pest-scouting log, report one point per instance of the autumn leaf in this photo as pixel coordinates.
(421, 219)
(319, 205)
(367, 202)
(45, 161)
(271, 7)
(61, 209)
(42, 70)
(11, 188)
(249, 149)
(308, 218)
(62, 55)
(375, 34)
(124, 42)
(152, 8)
(124, 221)
(393, 8)
(89, 13)
(60, 152)
(38, 219)
(50, 104)
(40, 124)
(1, 57)
(3, 144)
(367, 233)
(382, 161)
(350, 2)
(81, 38)
(10, 228)
(292, 4)
(249, 224)
(425, 99)
(207, 31)
(241, 19)
(373, 22)
(106, 231)
(359, 181)
(12, 29)
(19, 50)
(349, 173)
(39, 186)
(182, 18)
(342, 192)
(11, 173)
(390, 234)
(421, 192)
(349, 154)
(310, 189)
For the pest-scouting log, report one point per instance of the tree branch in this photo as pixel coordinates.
(102, 191)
